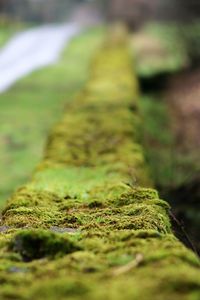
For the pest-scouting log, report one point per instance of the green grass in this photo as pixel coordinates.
(157, 139)
(5, 33)
(8, 29)
(33, 105)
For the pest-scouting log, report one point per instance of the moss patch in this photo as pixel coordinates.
(36, 244)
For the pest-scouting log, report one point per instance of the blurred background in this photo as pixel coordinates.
(45, 54)
(131, 11)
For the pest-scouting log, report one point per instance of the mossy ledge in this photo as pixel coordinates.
(86, 226)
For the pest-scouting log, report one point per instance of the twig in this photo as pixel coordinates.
(184, 232)
(133, 264)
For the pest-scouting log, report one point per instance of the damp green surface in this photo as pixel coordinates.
(89, 225)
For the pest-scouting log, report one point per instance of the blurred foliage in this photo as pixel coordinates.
(157, 139)
(169, 167)
(24, 115)
(8, 28)
(190, 34)
(166, 48)
(159, 49)
(44, 11)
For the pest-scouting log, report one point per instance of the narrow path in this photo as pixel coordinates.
(31, 50)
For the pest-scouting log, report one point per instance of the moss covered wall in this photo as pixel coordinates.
(89, 225)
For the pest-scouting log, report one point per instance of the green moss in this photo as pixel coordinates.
(136, 195)
(134, 217)
(106, 252)
(31, 208)
(75, 184)
(98, 141)
(36, 244)
(93, 231)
